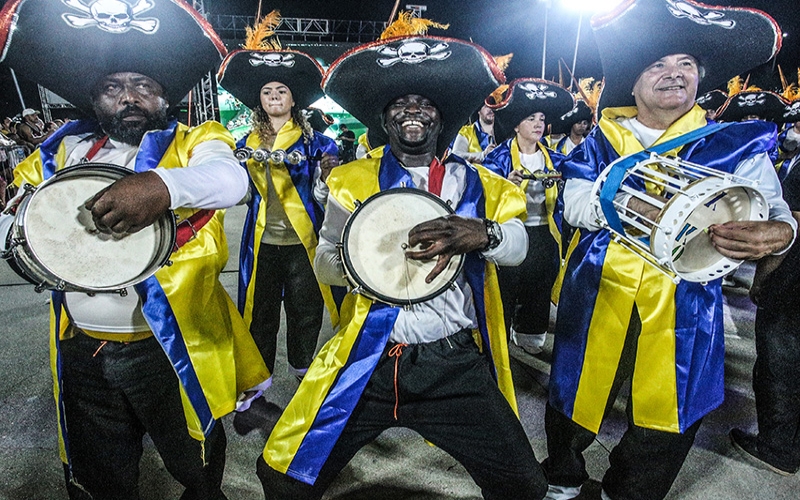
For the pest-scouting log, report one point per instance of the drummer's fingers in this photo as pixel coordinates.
(92, 202)
(429, 250)
(441, 265)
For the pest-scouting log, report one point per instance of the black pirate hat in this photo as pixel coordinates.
(67, 46)
(526, 96)
(712, 100)
(563, 124)
(726, 41)
(244, 72)
(454, 74)
(762, 103)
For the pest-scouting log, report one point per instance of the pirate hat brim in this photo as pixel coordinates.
(726, 41)
(526, 96)
(564, 123)
(454, 74)
(244, 72)
(67, 47)
(762, 103)
(712, 100)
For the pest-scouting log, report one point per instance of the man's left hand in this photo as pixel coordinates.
(750, 240)
(326, 164)
(445, 237)
(129, 204)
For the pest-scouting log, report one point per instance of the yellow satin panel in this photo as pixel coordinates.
(502, 204)
(654, 376)
(473, 144)
(292, 204)
(562, 269)
(62, 451)
(299, 415)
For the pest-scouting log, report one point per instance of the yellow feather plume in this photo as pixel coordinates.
(503, 61)
(407, 24)
(262, 36)
(735, 85)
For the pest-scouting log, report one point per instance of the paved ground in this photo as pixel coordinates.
(399, 465)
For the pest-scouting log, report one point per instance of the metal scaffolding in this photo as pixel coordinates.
(203, 104)
(295, 29)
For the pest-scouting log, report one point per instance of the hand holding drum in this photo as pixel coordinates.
(130, 204)
(445, 237)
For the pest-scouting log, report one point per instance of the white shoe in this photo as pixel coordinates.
(532, 343)
(555, 492)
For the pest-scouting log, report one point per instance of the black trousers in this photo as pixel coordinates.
(116, 392)
(284, 274)
(776, 382)
(643, 465)
(446, 392)
(526, 288)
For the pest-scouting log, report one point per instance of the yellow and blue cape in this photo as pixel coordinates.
(195, 321)
(294, 185)
(313, 421)
(678, 374)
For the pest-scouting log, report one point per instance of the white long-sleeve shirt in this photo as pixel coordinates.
(447, 313)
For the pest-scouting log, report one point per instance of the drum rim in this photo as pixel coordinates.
(359, 281)
(166, 222)
(658, 236)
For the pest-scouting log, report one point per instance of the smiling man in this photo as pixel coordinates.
(169, 356)
(417, 366)
(619, 317)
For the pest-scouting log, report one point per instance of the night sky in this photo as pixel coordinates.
(500, 26)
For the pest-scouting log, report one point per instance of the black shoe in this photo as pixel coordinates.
(746, 445)
(262, 415)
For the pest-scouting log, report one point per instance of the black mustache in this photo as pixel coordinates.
(130, 110)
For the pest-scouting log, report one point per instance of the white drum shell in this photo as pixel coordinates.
(58, 246)
(677, 241)
(374, 242)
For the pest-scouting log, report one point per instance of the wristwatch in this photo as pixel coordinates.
(493, 233)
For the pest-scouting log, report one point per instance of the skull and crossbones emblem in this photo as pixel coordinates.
(112, 16)
(272, 60)
(792, 111)
(750, 100)
(412, 52)
(684, 10)
(537, 91)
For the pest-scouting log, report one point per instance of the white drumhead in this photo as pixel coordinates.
(375, 241)
(63, 238)
(705, 203)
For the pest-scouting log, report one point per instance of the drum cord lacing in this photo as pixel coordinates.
(395, 352)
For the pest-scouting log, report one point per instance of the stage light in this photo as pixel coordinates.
(590, 5)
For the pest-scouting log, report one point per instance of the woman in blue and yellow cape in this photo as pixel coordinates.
(243, 73)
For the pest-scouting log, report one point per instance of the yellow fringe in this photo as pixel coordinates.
(407, 24)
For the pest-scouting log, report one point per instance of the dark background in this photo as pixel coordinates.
(500, 26)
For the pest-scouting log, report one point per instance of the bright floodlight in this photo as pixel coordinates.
(590, 5)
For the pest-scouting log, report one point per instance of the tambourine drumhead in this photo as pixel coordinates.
(63, 248)
(681, 234)
(375, 240)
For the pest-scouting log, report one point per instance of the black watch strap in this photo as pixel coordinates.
(493, 233)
